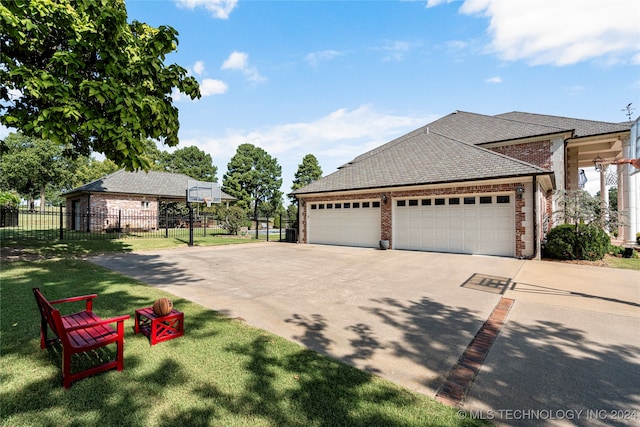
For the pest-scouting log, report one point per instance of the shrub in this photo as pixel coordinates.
(592, 243)
(616, 250)
(561, 242)
(584, 242)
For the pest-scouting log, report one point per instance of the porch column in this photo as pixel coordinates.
(630, 201)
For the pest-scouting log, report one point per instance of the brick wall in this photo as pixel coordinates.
(114, 211)
(537, 153)
(523, 212)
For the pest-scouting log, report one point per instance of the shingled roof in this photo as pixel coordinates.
(580, 127)
(421, 158)
(448, 150)
(160, 184)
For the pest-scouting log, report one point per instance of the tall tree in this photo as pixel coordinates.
(191, 161)
(30, 165)
(308, 171)
(253, 176)
(76, 72)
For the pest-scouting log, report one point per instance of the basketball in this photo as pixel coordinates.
(162, 306)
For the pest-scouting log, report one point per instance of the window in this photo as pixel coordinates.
(484, 200)
(454, 201)
(439, 202)
(329, 205)
(144, 204)
(469, 200)
(402, 203)
(337, 206)
(502, 199)
(356, 205)
(314, 206)
(426, 202)
(375, 204)
(321, 206)
(346, 205)
(365, 204)
(413, 202)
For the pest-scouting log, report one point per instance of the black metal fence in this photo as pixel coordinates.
(59, 224)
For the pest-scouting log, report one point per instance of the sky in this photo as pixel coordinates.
(338, 78)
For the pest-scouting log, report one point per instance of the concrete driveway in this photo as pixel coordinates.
(568, 353)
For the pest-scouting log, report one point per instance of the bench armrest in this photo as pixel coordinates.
(99, 322)
(74, 299)
(88, 298)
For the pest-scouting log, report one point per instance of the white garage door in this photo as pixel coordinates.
(460, 224)
(350, 223)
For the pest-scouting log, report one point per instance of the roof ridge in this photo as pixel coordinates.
(559, 117)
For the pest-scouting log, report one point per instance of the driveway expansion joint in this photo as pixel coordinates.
(460, 379)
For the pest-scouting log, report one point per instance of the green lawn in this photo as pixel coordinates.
(222, 372)
(626, 263)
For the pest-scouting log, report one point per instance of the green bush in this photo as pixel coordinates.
(585, 242)
(592, 243)
(616, 250)
(561, 242)
(638, 238)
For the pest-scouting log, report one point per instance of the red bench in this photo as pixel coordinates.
(80, 332)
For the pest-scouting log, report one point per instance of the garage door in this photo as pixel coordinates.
(471, 224)
(350, 223)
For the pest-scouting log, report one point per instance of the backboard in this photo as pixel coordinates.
(198, 191)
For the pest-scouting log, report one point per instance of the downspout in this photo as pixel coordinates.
(535, 217)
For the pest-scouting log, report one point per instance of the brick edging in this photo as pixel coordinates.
(460, 378)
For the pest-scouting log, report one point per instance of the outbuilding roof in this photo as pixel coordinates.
(152, 183)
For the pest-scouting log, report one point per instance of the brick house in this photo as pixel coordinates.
(96, 206)
(465, 183)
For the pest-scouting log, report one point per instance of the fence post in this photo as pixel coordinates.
(204, 225)
(281, 227)
(119, 223)
(190, 223)
(166, 222)
(61, 221)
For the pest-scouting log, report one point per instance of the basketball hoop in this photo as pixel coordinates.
(208, 201)
(611, 177)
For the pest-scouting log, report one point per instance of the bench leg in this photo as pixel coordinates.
(43, 333)
(120, 346)
(66, 369)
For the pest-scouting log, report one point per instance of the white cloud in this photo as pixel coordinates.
(240, 61)
(560, 32)
(198, 67)
(220, 9)
(334, 139)
(236, 61)
(314, 58)
(210, 87)
(494, 80)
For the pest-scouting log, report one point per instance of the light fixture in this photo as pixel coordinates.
(599, 164)
(519, 190)
(384, 198)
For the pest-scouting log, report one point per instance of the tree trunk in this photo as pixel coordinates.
(42, 189)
